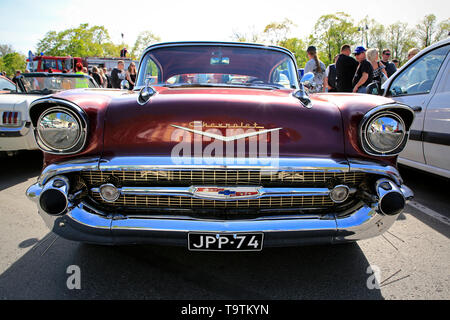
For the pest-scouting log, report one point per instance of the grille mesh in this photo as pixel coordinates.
(220, 177)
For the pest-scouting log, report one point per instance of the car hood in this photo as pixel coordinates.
(156, 128)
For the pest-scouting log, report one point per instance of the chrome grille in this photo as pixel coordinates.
(147, 201)
(220, 177)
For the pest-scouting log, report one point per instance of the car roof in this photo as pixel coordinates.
(218, 43)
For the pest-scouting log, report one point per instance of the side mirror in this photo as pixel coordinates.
(307, 77)
(124, 84)
(373, 88)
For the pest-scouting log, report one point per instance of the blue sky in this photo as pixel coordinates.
(24, 22)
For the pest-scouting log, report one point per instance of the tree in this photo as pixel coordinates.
(251, 36)
(81, 41)
(144, 39)
(276, 32)
(12, 62)
(5, 49)
(443, 30)
(331, 31)
(298, 48)
(400, 39)
(426, 29)
(375, 34)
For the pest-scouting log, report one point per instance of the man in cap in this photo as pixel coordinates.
(364, 73)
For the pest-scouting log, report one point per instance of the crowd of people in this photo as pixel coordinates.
(348, 74)
(100, 74)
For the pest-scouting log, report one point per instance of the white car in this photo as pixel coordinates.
(15, 126)
(423, 83)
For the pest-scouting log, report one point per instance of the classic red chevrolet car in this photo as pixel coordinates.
(219, 147)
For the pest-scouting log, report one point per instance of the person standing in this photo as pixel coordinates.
(379, 70)
(16, 76)
(390, 67)
(345, 70)
(364, 73)
(315, 66)
(79, 68)
(131, 75)
(108, 78)
(97, 77)
(412, 52)
(117, 75)
(330, 77)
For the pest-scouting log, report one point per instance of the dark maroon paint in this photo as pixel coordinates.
(119, 126)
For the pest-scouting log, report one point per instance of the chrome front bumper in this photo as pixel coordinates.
(84, 223)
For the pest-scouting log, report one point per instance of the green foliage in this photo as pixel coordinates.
(331, 31)
(12, 62)
(144, 39)
(400, 39)
(276, 32)
(82, 41)
(298, 48)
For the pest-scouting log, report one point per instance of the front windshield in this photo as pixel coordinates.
(45, 84)
(204, 65)
(6, 85)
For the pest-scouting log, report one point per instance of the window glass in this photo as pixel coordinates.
(418, 78)
(6, 85)
(205, 65)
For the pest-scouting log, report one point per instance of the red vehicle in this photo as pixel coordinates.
(57, 64)
(220, 147)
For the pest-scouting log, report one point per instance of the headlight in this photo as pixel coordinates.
(60, 130)
(384, 133)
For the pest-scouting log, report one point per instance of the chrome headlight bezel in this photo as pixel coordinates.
(81, 122)
(391, 111)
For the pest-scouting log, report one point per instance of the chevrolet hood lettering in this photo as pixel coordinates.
(228, 138)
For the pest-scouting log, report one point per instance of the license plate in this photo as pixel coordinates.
(225, 241)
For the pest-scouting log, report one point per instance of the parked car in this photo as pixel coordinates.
(6, 85)
(219, 148)
(15, 124)
(424, 84)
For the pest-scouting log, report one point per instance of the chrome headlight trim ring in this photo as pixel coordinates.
(72, 110)
(376, 113)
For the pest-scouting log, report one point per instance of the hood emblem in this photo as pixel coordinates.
(226, 138)
(224, 193)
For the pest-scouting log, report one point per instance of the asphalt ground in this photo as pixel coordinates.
(410, 260)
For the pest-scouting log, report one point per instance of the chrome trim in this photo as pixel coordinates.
(340, 186)
(83, 223)
(190, 192)
(374, 112)
(67, 167)
(111, 185)
(48, 148)
(226, 138)
(166, 163)
(63, 189)
(266, 164)
(61, 103)
(19, 131)
(213, 43)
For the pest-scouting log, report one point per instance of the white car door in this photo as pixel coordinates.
(415, 86)
(436, 129)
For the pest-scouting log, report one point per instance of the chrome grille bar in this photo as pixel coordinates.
(219, 177)
(149, 201)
